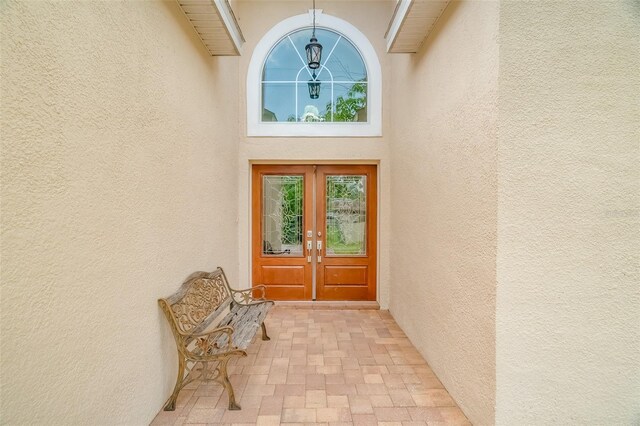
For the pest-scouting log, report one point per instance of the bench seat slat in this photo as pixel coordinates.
(245, 320)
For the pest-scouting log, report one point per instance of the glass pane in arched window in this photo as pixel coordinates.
(288, 85)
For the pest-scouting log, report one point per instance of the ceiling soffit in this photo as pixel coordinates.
(215, 24)
(411, 24)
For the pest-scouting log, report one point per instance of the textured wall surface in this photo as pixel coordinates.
(568, 297)
(256, 18)
(124, 164)
(119, 154)
(444, 200)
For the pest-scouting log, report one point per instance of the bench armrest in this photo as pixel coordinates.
(210, 342)
(246, 297)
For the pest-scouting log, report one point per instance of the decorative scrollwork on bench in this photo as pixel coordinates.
(203, 296)
(250, 295)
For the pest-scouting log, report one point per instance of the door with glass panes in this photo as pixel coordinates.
(314, 231)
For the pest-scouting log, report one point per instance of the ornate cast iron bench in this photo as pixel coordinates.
(191, 311)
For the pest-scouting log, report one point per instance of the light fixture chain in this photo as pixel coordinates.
(314, 18)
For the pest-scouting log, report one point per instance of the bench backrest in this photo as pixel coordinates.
(200, 299)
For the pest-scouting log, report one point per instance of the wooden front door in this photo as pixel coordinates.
(314, 231)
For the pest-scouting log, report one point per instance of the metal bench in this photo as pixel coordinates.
(203, 352)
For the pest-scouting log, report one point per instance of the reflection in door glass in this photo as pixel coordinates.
(346, 215)
(282, 208)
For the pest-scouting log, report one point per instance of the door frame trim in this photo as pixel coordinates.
(375, 163)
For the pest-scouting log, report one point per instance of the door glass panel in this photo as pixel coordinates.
(346, 215)
(282, 209)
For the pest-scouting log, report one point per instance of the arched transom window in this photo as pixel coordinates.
(335, 92)
(341, 98)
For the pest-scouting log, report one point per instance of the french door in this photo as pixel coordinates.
(314, 231)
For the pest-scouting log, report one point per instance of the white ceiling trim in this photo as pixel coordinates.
(411, 24)
(215, 24)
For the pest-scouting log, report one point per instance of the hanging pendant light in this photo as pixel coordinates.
(314, 49)
(314, 87)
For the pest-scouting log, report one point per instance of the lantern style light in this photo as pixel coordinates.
(314, 49)
(314, 87)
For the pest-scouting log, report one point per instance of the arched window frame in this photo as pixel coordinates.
(373, 126)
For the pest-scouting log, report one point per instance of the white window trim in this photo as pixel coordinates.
(255, 126)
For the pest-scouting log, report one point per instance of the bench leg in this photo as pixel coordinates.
(227, 385)
(264, 332)
(171, 404)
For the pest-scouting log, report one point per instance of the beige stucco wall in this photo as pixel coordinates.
(119, 153)
(258, 17)
(568, 305)
(444, 202)
(512, 137)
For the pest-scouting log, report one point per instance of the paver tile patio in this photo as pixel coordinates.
(323, 366)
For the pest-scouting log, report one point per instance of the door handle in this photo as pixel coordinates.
(309, 247)
(319, 248)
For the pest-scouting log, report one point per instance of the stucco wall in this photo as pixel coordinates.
(444, 201)
(258, 17)
(568, 305)
(119, 153)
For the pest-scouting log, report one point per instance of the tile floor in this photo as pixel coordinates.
(332, 367)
